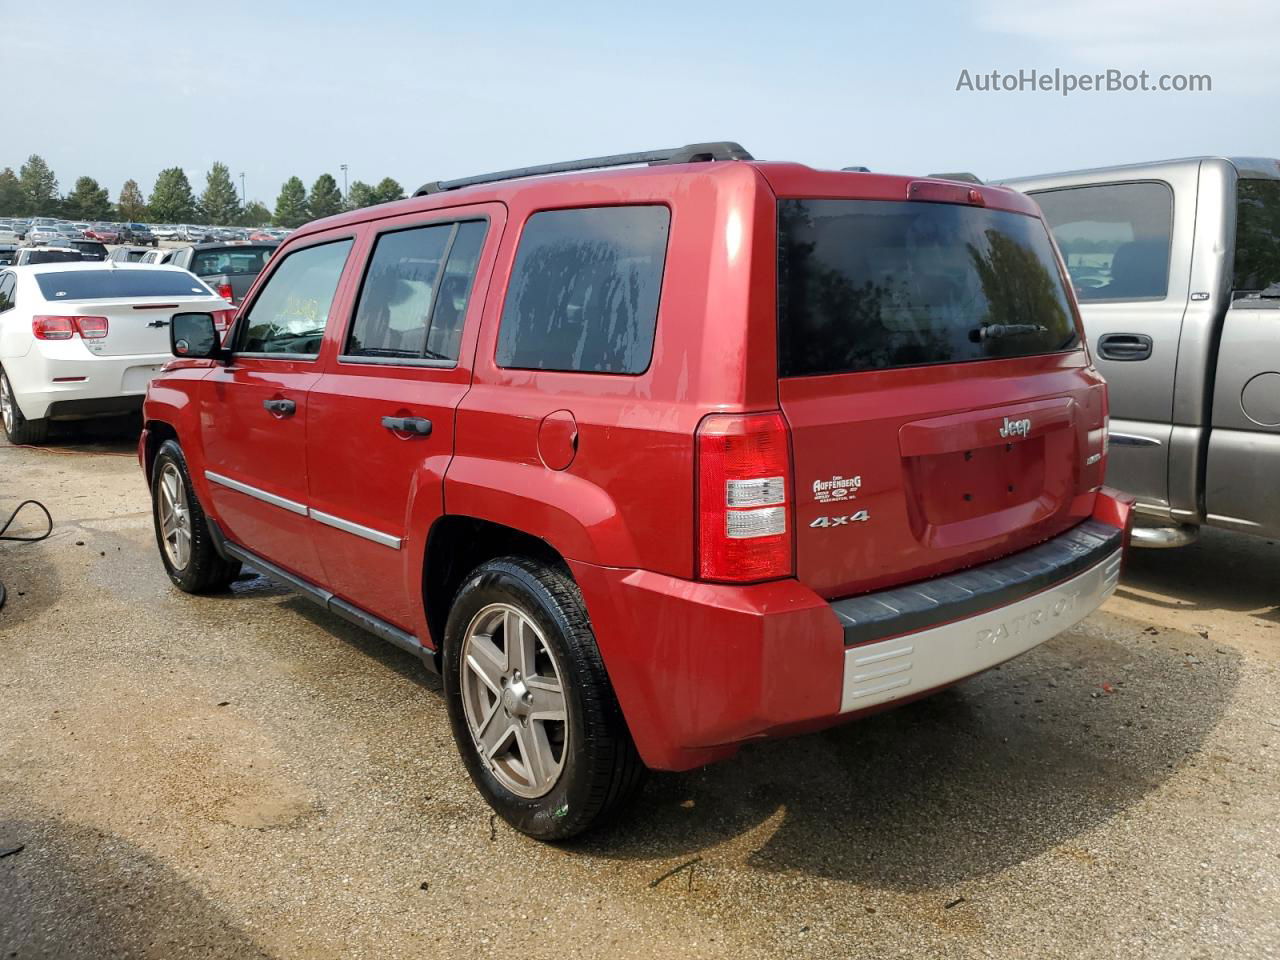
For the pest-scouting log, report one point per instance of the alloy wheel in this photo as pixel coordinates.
(175, 517)
(7, 404)
(514, 700)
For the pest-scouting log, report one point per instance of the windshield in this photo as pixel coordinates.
(1257, 262)
(110, 284)
(871, 284)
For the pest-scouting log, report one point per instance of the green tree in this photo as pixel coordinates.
(220, 204)
(171, 198)
(325, 199)
(291, 205)
(132, 204)
(388, 190)
(11, 199)
(255, 214)
(39, 187)
(360, 194)
(88, 201)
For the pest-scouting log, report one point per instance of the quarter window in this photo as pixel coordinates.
(415, 293)
(1115, 238)
(288, 317)
(7, 283)
(584, 290)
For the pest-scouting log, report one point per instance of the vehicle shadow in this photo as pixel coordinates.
(74, 892)
(965, 784)
(1220, 571)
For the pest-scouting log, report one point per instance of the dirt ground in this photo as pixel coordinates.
(247, 776)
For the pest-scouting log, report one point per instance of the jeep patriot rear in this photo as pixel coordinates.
(652, 461)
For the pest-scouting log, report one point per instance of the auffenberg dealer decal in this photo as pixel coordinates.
(836, 489)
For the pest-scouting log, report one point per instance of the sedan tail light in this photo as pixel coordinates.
(64, 328)
(226, 293)
(744, 470)
(91, 328)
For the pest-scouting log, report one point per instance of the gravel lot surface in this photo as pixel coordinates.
(246, 776)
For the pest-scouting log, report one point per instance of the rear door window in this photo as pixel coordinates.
(584, 290)
(1115, 237)
(415, 293)
(289, 315)
(874, 284)
(1257, 261)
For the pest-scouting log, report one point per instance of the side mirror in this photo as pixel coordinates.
(194, 336)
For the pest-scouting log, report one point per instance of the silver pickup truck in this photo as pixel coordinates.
(1176, 266)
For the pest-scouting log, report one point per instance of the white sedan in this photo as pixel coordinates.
(82, 340)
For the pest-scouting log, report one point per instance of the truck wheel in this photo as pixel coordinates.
(18, 428)
(532, 709)
(182, 532)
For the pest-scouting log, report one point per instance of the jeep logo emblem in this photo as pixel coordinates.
(1015, 428)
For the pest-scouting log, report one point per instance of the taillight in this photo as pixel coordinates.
(52, 328)
(63, 328)
(225, 292)
(222, 323)
(744, 470)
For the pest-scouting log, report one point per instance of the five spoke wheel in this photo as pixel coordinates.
(175, 517)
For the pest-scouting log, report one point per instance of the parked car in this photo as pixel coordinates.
(192, 233)
(43, 233)
(158, 255)
(48, 253)
(138, 233)
(229, 268)
(1177, 267)
(164, 231)
(69, 231)
(262, 236)
(8, 253)
(103, 232)
(127, 254)
(82, 340)
(652, 462)
(89, 249)
(21, 228)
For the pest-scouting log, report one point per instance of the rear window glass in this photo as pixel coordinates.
(231, 261)
(870, 284)
(1257, 264)
(584, 290)
(107, 284)
(1115, 238)
(53, 256)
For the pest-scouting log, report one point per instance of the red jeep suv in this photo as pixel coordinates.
(652, 455)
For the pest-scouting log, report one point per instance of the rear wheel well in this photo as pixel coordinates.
(456, 546)
(157, 433)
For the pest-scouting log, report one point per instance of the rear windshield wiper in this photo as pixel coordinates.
(994, 331)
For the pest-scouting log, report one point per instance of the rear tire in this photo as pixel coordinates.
(18, 428)
(501, 691)
(182, 530)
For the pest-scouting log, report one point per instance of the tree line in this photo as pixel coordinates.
(33, 192)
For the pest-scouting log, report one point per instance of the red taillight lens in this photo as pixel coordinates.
(744, 506)
(52, 328)
(91, 328)
(224, 291)
(222, 322)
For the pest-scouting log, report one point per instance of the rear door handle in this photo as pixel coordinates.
(280, 408)
(1124, 346)
(418, 425)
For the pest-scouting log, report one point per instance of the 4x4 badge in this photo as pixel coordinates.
(1015, 428)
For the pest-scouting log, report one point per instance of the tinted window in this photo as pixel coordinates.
(584, 290)
(108, 283)
(52, 256)
(1257, 264)
(7, 283)
(290, 313)
(865, 285)
(231, 261)
(415, 293)
(1114, 237)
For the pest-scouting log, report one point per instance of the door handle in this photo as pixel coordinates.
(1124, 346)
(280, 408)
(418, 425)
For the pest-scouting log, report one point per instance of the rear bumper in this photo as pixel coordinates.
(64, 381)
(700, 668)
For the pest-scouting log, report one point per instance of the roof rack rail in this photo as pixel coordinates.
(689, 153)
(855, 169)
(962, 177)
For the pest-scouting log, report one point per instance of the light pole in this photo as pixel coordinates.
(244, 201)
(343, 168)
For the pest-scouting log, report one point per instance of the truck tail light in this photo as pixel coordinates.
(225, 292)
(744, 507)
(64, 328)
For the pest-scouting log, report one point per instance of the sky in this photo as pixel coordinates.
(424, 91)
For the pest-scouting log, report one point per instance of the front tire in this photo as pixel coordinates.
(182, 530)
(531, 706)
(18, 428)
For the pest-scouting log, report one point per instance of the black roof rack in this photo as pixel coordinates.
(689, 153)
(855, 169)
(962, 177)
